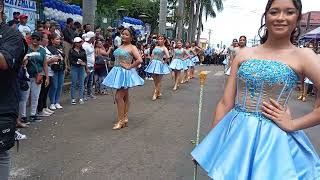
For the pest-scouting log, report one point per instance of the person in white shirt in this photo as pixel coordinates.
(88, 46)
(23, 27)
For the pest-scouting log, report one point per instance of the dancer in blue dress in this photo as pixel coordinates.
(177, 65)
(254, 135)
(158, 66)
(190, 62)
(124, 75)
(195, 50)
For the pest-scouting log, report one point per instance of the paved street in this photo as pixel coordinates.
(77, 143)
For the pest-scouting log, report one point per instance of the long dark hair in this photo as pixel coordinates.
(243, 36)
(294, 34)
(132, 33)
(51, 37)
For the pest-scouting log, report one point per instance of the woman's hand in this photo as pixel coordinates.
(47, 82)
(126, 65)
(274, 111)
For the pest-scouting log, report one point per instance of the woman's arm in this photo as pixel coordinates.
(166, 54)
(227, 101)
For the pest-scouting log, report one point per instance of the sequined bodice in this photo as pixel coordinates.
(260, 80)
(158, 53)
(178, 53)
(121, 55)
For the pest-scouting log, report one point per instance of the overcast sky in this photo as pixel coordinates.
(242, 17)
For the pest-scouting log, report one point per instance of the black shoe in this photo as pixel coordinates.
(24, 120)
(35, 119)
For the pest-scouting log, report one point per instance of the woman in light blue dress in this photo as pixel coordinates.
(177, 64)
(158, 66)
(124, 75)
(254, 136)
(194, 52)
(190, 62)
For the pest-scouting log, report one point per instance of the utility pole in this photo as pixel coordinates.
(210, 31)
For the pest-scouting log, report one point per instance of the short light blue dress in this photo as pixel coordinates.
(120, 77)
(157, 66)
(246, 145)
(177, 62)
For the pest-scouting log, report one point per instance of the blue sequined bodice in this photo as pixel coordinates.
(158, 53)
(178, 53)
(260, 80)
(121, 55)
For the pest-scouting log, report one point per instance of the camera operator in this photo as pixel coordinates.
(11, 55)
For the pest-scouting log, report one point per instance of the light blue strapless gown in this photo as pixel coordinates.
(245, 145)
(157, 66)
(120, 77)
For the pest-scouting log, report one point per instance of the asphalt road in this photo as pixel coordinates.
(77, 143)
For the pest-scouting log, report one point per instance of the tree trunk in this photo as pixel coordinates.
(199, 23)
(89, 9)
(191, 14)
(180, 16)
(195, 20)
(163, 16)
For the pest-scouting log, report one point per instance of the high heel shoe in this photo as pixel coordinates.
(154, 97)
(175, 88)
(159, 94)
(303, 99)
(300, 97)
(120, 124)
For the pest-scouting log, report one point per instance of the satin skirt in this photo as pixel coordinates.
(250, 147)
(190, 63)
(120, 77)
(177, 64)
(157, 67)
(195, 59)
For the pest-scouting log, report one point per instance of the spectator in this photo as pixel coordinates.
(109, 32)
(58, 68)
(78, 29)
(86, 28)
(99, 36)
(78, 63)
(43, 109)
(117, 40)
(36, 63)
(40, 28)
(11, 55)
(68, 35)
(23, 27)
(15, 19)
(89, 48)
(46, 27)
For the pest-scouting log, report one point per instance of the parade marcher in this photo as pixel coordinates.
(36, 64)
(158, 66)
(11, 56)
(58, 68)
(240, 45)
(78, 63)
(253, 130)
(88, 46)
(177, 64)
(124, 75)
(195, 50)
(189, 61)
(305, 83)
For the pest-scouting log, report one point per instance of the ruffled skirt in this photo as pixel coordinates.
(120, 77)
(195, 59)
(157, 67)
(177, 64)
(245, 146)
(190, 63)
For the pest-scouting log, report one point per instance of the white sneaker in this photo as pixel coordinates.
(44, 114)
(81, 101)
(53, 107)
(58, 106)
(73, 102)
(48, 110)
(20, 136)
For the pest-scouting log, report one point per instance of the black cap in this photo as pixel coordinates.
(37, 34)
(16, 13)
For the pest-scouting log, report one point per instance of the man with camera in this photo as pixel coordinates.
(11, 55)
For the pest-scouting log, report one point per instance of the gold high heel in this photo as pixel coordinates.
(300, 97)
(175, 88)
(159, 94)
(120, 124)
(303, 99)
(154, 97)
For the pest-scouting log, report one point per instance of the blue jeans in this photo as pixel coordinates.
(56, 87)
(88, 82)
(77, 76)
(4, 165)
